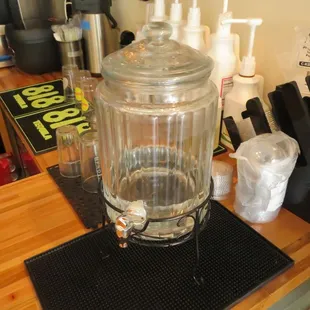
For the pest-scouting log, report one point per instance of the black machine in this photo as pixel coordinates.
(254, 111)
(92, 6)
(292, 114)
(29, 34)
(95, 7)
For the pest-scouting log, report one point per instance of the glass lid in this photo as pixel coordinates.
(156, 61)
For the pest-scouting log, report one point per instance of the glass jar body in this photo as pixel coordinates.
(157, 147)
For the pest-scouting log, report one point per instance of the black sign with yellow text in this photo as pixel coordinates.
(33, 98)
(39, 110)
(40, 128)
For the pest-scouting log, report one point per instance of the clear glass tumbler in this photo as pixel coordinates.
(90, 162)
(68, 151)
(69, 73)
(81, 75)
(88, 86)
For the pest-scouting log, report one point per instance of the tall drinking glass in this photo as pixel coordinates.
(80, 76)
(68, 151)
(90, 163)
(88, 86)
(69, 73)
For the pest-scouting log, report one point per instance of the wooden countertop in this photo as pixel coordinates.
(35, 216)
(11, 78)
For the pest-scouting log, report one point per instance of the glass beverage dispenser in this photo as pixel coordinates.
(156, 114)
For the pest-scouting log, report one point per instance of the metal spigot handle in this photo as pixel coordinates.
(133, 217)
(124, 227)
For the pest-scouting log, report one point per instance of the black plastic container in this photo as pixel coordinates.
(28, 14)
(92, 6)
(5, 14)
(36, 50)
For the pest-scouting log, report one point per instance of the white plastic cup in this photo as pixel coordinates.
(222, 178)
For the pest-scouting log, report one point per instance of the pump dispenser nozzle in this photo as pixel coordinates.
(225, 6)
(176, 20)
(253, 23)
(159, 11)
(194, 15)
(248, 64)
(194, 31)
(223, 31)
(176, 11)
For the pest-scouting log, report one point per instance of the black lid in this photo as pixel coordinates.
(92, 6)
(28, 36)
(127, 37)
(5, 14)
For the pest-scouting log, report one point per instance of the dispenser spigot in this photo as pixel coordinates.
(123, 227)
(132, 219)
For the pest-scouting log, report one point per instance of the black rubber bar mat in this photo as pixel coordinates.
(39, 110)
(86, 205)
(92, 272)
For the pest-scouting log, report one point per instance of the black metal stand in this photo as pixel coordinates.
(199, 214)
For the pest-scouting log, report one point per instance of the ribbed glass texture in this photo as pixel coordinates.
(157, 148)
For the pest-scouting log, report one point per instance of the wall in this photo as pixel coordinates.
(274, 39)
(128, 13)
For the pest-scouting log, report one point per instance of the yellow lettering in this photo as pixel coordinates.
(46, 102)
(20, 101)
(68, 122)
(59, 116)
(83, 127)
(42, 130)
(52, 93)
(37, 90)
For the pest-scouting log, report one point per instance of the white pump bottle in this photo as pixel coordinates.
(176, 13)
(194, 34)
(224, 51)
(247, 85)
(159, 11)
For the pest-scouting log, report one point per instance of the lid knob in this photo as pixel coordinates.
(157, 31)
